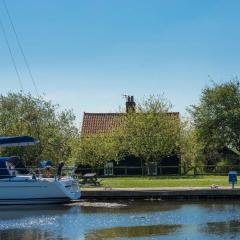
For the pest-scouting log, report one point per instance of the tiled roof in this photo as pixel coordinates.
(97, 123)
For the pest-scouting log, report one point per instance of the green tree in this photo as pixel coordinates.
(151, 132)
(95, 150)
(23, 114)
(216, 119)
(190, 147)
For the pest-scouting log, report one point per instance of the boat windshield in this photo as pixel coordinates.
(11, 166)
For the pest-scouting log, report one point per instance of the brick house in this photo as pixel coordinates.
(103, 123)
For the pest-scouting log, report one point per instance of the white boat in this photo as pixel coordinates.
(17, 186)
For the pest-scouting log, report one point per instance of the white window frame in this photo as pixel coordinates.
(152, 170)
(108, 169)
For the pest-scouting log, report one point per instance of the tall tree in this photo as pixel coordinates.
(23, 114)
(151, 132)
(216, 118)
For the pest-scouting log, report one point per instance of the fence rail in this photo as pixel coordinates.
(159, 170)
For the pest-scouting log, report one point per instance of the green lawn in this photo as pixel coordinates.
(145, 182)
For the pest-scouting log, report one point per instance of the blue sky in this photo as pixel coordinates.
(85, 54)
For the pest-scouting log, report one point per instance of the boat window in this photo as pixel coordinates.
(11, 169)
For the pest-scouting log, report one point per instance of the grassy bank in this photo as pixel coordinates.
(174, 181)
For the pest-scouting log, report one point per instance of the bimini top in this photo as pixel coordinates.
(15, 141)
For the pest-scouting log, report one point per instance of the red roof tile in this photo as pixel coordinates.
(97, 123)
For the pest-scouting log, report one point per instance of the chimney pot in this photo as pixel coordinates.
(130, 104)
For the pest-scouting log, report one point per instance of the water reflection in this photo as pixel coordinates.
(20, 212)
(221, 228)
(131, 219)
(131, 232)
(218, 206)
(29, 234)
(135, 207)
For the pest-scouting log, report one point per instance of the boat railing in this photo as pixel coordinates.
(37, 173)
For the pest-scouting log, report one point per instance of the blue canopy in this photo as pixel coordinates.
(45, 163)
(14, 141)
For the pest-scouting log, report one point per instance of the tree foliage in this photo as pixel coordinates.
(216, 118)
(95, 150)
(151, 132)
(23, 114)
(190, 147)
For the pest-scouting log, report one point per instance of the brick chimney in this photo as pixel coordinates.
(130, 104)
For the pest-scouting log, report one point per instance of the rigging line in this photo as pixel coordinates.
(11, 54)
(21, 48)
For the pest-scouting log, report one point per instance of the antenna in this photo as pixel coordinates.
(11, 54)
(21, 48)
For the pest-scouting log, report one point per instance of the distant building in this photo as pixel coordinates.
(103, 123)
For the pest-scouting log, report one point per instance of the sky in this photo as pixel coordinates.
(85, 54)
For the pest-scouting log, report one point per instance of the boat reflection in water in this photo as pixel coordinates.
(28, 234)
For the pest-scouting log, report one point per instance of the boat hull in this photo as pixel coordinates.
(31, 191)
(33, 201)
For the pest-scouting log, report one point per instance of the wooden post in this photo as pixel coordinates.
(142, 167)
(195, 170)
(160, 169)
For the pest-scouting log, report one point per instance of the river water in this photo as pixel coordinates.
(123, 220)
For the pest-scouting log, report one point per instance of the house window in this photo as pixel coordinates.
(108, 169)
(152, 169)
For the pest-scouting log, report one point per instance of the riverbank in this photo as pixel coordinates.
(212, 192)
